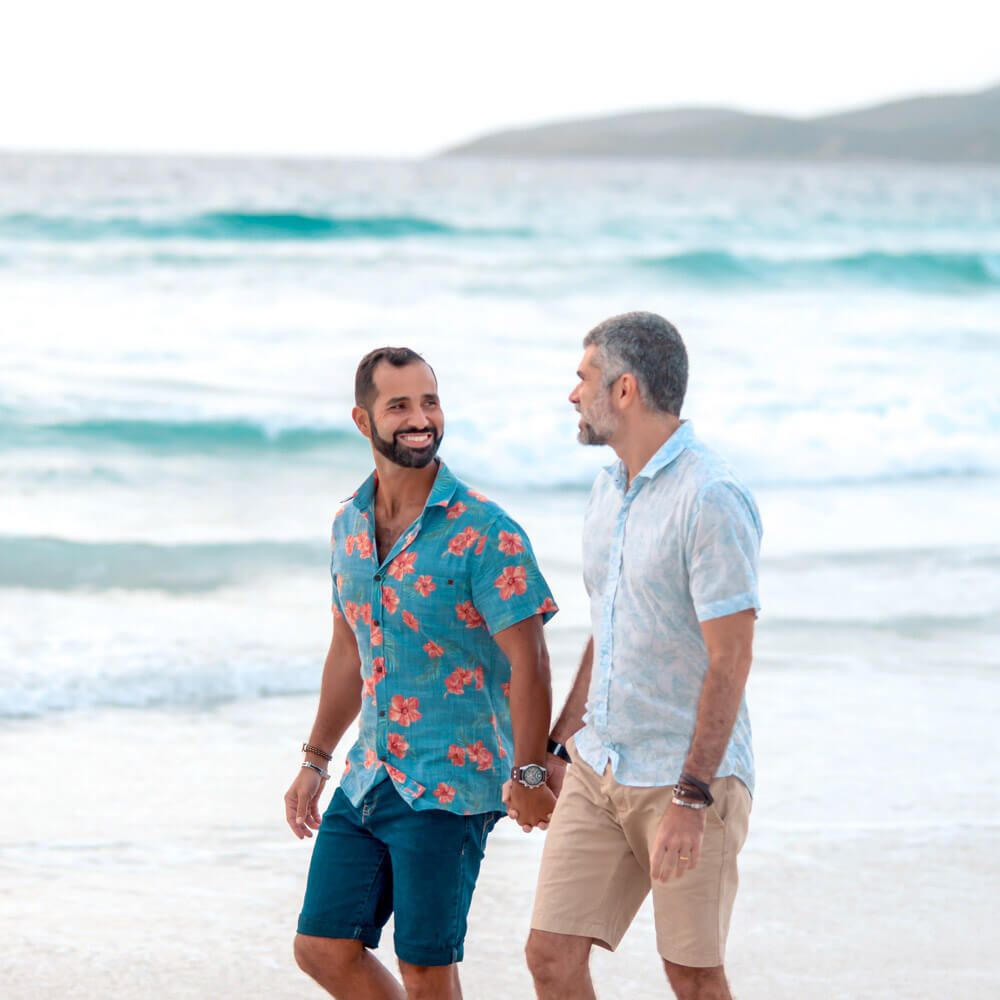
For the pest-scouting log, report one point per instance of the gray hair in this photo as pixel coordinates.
(650, 349)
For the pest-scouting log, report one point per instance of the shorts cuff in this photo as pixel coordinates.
(367, 935)
(415, 955)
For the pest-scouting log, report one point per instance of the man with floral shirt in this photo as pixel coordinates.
(438, 608)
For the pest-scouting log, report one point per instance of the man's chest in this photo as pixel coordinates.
(639, 544)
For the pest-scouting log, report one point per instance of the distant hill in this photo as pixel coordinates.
(962, 128)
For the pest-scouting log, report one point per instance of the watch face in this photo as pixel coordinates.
(533, 775)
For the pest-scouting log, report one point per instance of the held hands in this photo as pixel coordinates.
(677, 843)
(529, 807)
(302, 803)
(543, 797)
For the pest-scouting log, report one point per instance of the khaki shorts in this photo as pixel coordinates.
(595, 866)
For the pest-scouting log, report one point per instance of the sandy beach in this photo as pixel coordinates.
(148, 854)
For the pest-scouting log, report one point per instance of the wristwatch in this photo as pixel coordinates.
(531, 775)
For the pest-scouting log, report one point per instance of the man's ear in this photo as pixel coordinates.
(362, 421)
(627, 390)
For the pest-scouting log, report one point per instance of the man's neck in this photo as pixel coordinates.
(399, 488)
(642, 441)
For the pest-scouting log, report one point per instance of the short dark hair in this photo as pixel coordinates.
(364, 378)
(649, 348)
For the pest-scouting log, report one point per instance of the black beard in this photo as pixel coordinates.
(402, 454)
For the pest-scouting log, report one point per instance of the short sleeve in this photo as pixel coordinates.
(336, 604)
(507, 585)
(723, 548)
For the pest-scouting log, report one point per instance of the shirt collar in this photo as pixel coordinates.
(660, 459)
(440, 495)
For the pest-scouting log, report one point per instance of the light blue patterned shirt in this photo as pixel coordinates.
(678, 547)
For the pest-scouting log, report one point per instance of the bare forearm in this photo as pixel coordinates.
(340, 695)
(718, 707)
(530, 708)
(571, 717)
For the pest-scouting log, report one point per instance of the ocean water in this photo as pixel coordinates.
(178, 339)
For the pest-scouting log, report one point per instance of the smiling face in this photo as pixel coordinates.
(405, 422)
(592, 399)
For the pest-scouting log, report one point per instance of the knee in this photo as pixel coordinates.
(548, 964)
(694, 983)
(428, 982)
(326, 959)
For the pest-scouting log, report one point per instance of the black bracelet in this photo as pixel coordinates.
(687, 779)
(558, 750)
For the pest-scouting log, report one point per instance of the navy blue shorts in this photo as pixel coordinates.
(386, 857)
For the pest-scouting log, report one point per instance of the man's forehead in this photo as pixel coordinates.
(588, 357)
(414, 379)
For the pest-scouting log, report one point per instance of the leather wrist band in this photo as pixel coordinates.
(693, 782)
(558, 750)
(309, 748)
(315, 767)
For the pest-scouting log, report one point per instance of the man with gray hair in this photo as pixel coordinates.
(658, 789)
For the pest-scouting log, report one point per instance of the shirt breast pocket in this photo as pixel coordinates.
(441, 602)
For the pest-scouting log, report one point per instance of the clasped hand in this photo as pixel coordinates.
(529, 807)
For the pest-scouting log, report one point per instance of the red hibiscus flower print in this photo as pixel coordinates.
(397, 745)
(456, 510)
(477, 676)
(423, 585)
(376, 635)
(467, 613)
(364, 545)
(340, 583)
(547, 605)
(478, 753)
(371, 758)
(396, 774)
(336, 611)
(410, 622)
(347, 766)
(454, 683)
(351, 612)
(390, 600)
(368, 688)
(513, 580)
(481, 546)
(505, 687)
(456, 755)
(510, 543)
(478, 496)
(365, 613)
(433, 650)
(402, 564)
(462, 541)
(378, 668)
(444, 793)
(349, 544)
(404, 710)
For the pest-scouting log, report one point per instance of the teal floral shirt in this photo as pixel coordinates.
(434, 706)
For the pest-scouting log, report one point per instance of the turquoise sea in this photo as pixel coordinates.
(178, 338)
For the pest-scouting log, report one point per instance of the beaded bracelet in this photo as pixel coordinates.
(678, 801)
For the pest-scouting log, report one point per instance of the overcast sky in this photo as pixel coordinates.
(391, 78)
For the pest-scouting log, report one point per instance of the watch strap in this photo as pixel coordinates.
(559, 750)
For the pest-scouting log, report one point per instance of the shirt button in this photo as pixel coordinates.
(376, 622)
(382, 758)
(381, 715)
(378, 577)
